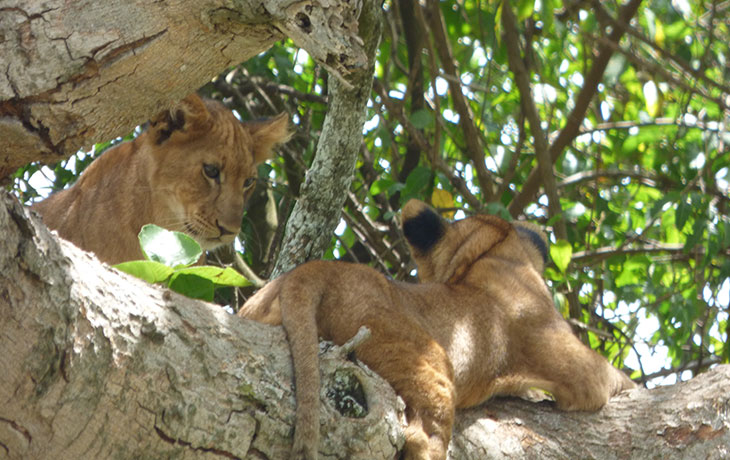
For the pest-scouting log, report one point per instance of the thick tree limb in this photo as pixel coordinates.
(688, 420)
(96, 364)
(74, 73)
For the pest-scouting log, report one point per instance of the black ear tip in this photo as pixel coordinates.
(536, 239)
(424, 230)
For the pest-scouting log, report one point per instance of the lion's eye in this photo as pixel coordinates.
(211, 171)
(249, 182)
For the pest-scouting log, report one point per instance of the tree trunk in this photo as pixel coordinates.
(96, 364)
(317, 211)
(74, 73)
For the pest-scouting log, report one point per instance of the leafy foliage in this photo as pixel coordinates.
(631, 103)
(169, 259)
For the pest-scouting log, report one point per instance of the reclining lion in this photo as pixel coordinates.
(480, 323)
(189, 172)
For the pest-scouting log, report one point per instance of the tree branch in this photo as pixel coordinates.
(675, 251)
(436, 161)
(96, 361)
(317, 212)
(688, 73)
(522, 80)
(666, 422)
(97, 364)
(544, 162)
(414, 36)
(472, 136)
(70, 79)
(576, 116)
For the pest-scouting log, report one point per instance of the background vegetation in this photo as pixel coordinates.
(606, 123)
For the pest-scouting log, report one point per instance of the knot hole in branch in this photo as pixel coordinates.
(303, 22)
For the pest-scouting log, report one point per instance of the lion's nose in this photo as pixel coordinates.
(224, 231)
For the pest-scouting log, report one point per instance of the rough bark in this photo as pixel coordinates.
(317, 212)
(74, 73)
(96, 364)
(690, 420)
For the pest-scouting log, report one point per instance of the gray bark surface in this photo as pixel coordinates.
(96, 364)
(75, 73)
(316, 214)
(689, 420)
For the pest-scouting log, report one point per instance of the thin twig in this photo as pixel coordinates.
(243, 267)
(576, 116)
(472, 136)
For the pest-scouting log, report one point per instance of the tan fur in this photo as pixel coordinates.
(480, 323)
(159, 178)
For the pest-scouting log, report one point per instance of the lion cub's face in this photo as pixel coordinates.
(201, 162)
(450, 252)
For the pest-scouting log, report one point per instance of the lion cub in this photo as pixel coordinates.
(481, 323)
(190, 172)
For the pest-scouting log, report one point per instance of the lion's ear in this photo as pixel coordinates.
(190, 116)
(267, 134)
(422, 226)
(536, 243)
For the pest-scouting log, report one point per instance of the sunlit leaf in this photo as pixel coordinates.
(632, 272)
(170, 248)
(525, 8)
(653, 98)
(222, 276)
(148, 270)
(443, 199)
(561, 252)
(380, 186)
(659, 33)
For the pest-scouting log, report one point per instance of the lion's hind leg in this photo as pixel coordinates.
(578, 377)
(419, 370)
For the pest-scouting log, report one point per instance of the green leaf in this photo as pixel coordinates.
(170, 248)
(148, 270)
(547, 13)
(561, 253)
(525, 9)
(632, 271)
(218, 275)
(698, 231)
(380, 186)
(684, 210)
(417, 180)
(421, 118)
(192, 286)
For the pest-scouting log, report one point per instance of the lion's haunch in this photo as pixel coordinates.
(189, 172)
